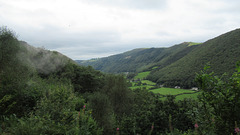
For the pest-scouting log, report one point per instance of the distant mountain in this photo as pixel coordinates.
(176, 65)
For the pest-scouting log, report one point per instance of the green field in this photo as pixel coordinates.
(170, 91)
(142, 75)
(146, 84)
(193, 96)
(141, 87)
(180, 93)
(155, 67)
(193, 43)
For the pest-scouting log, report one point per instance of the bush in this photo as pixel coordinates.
(220, 98)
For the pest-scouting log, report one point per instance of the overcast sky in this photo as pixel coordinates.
(84, 29)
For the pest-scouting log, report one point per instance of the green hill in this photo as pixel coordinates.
(139, 59)
(176, 65)
(221, 52)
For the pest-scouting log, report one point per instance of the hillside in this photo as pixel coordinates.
(139, 59)
(44, 61)
(176, 65)
(221, 52)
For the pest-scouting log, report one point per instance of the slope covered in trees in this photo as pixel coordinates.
(221, 52)
(176, 65)
(139, 59)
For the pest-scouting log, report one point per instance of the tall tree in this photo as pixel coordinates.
(14, 76)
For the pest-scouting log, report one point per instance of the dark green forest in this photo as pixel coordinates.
(44, 92)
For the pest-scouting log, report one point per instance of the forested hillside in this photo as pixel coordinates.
(176, 65)
(139, 59)
(221, 53)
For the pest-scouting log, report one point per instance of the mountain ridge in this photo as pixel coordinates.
(137, 57)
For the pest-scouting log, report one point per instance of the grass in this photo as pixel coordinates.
(142, 86)
(193, 96)
(148, 82)
(170, 91)
(142, 75)
(192, 43)
(155, 67)
(179, 93)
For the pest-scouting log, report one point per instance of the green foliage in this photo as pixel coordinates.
(220, 97)
(119, 94)
(14, 77)
(112, 102)
(102, 111)
(76, 124)
(8, 47)
(150, 111)
(80, 100)
(84, 79)
(33, 104)
(55, 114)
(140, 120)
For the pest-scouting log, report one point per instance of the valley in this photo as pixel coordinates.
(140, 82)
(176, 65)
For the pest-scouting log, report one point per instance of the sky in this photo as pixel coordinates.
(85, 29)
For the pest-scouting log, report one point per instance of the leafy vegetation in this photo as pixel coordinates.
(73, 99)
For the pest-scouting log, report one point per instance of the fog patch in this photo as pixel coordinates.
(40, 59)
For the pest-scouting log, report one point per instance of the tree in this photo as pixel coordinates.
(14, 76)
(221, 96)
(102, 111)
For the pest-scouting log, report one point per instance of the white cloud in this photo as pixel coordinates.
(100, 27)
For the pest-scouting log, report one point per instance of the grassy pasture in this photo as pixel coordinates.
(170, 91)
(148, 82)
(142, 75)
(179, 93)
(193, 96)
(155, 67)
(192, 43)
(142, 86)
